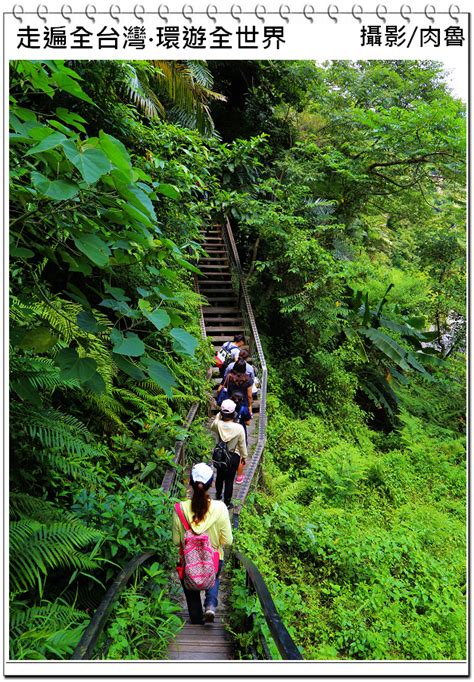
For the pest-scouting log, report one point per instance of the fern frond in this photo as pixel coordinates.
(24, 505)
(52, 614)
(72, 468)
(109, 407)
(37, 548)
(41, 372)
(54, 429)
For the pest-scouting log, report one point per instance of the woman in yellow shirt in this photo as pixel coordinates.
(210, 516)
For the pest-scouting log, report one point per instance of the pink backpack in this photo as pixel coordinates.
(198, 560)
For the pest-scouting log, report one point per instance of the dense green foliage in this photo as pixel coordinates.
(345, 183)
(106, 355)
(354, 239)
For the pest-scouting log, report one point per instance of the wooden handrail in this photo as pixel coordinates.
(282, 638)
(91, 634)
(168, 483)
(248, 313)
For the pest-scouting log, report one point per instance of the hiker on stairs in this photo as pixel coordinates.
(237, 380)
(229, 353)
(233, 435)
(202, 516)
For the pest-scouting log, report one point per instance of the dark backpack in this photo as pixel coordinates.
(221, 457)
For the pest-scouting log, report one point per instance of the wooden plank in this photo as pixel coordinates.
(210, 309)
(210, 266)
(214, 632)
(218, 656)
(227, 282)
(228, 328)
(211, 319)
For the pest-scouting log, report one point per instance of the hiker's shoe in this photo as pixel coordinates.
(209, 615)
(240, 478)
(230, 505)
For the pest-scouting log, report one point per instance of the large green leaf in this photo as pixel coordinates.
(412, 359)
(116, 152)
(88, 323)
(26, 391)
(94, 248)
(50, 142)
(71, 117)
(159, 318)
(21, 252)
(74, 367)
(387, 346)
(128, 367)
(168, 190)
(137, 197)
(59, 190)
(95, 384)
(117, 292)
(183, 342)
(80, 264)
(161, 375)
(40, 339)
(65, 82)
(92, 163)
(131, 344)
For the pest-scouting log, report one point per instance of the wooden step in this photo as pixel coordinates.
(220, 275)
(227, 300)
(212, 259)
(214, 266)
(220, 309)
(218, 282)
(230, 330)
(219, 338)
(217, 286)
(223, 320)
(212, 263)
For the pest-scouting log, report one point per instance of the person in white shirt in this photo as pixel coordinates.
(233, 435)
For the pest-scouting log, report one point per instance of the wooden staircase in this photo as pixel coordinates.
(223, 320)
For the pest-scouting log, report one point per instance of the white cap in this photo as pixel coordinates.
(228, 406)
(201, 473)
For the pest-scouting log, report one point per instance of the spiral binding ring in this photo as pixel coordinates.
(139, 16)
(287, 13)
(18, 18)
(185, 13)
(356, 16)
(40, 16)
(453, 16)
(65, 16)
(90, 16)
(305, 12)
(402, 9)
(114, 17)
(236, 11)
(380, 16)
(336, 12)
(159, 12)
(430, 18)
(212, 16)
(232, 14)
(264, 11)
